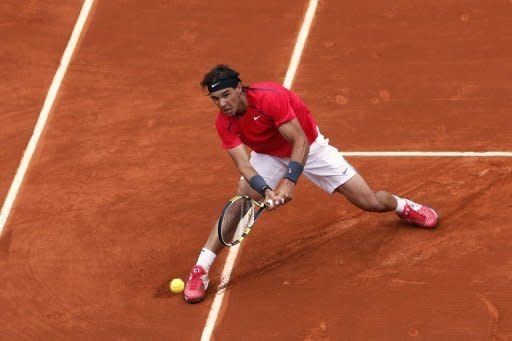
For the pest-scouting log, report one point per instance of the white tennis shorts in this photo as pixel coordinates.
(325, 166)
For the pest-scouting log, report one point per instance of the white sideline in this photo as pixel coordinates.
(233, 251)
(43, 115)
(299, 44)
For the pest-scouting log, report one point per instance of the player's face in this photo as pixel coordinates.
(228, 100)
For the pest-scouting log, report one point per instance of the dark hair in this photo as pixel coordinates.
(217, 73)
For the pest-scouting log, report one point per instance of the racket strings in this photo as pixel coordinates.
(237, 218)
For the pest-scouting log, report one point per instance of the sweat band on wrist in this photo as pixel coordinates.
(294, 171)
(258, 184)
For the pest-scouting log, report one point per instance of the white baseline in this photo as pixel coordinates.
(43, 115)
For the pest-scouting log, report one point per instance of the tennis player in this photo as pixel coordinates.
(286, 143)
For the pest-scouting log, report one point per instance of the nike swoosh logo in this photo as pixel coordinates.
(215, 84)
(256, 117)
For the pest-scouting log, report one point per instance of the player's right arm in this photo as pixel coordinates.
(241, 159)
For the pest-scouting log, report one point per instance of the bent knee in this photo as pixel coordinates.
(370, 203)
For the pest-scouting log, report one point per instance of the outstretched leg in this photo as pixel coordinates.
(357, 191)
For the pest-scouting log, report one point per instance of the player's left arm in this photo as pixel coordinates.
(292, 131)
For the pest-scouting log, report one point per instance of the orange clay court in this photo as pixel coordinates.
(128, 174)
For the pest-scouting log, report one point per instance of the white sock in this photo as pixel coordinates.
(206, 258)
(400, 204)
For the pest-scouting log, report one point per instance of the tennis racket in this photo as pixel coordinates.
(238, 218)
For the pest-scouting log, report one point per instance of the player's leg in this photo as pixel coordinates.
(331, 172)
(272, 170)
(327, 168)
(197, 283)
(357, 191)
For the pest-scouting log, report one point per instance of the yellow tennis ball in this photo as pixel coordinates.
(177, 285)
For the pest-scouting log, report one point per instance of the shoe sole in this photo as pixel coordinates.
(193, 300)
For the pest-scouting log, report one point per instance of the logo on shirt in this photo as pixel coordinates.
(256, 117)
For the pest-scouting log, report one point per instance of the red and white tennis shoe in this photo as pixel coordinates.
(197, 283)
(419, 215)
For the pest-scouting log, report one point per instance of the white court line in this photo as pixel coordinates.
(233, 251)
(299, 44)
(43, 115)
(429, 154)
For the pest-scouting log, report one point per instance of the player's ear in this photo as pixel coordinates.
(239, 88)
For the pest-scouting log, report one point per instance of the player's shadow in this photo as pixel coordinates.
(163, 291)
